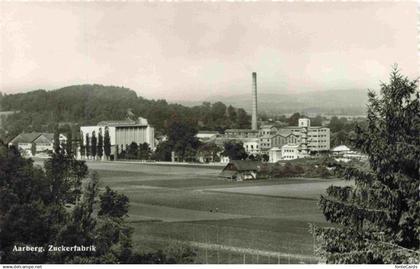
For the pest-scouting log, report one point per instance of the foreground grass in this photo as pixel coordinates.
(180, 205)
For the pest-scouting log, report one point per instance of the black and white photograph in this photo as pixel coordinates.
(209, 133)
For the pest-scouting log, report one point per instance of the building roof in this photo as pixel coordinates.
(139, 122)
(25, 138)
(7, 113)
(245, 165)
(241, 130)
(284, 132)
(290, 146)
(275, 149)
(268, 126)
(45, 138)
(208, 132)
(116, 123)
(341, 148)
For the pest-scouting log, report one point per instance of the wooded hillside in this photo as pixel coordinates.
(88, 104)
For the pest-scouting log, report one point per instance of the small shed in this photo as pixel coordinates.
(240, 170)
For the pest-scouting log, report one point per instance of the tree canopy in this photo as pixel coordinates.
(234, 150)
(378, 218)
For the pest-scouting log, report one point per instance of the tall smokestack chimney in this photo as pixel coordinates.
(254, 101)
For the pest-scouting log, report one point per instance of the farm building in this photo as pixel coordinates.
(31, 144)
(240, 170)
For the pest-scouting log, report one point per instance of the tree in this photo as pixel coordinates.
(209, 152)
(100, 150)
(163, 152)
(94, 145)
(132, 151)
(82, 146)
(69, 143)
(182, 139)
(56, 141)
(231, 113)
(234, 150)
(144, 151)
(339, 138)
(87, 146)
(107, 144)
(39, 208)
(33, 149)
(243, 119)
(378, 219)
(337, 124)
(294, 119)
(113, 204)
(317, 121)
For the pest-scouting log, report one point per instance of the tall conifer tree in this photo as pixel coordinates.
(69, 143)
(100, 145)
(87, 146)
(56, 141)
(378, 218)
(93, 145)
(107, 144)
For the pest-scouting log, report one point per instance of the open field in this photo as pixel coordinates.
(262, 221)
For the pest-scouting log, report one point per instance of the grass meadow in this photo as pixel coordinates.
(265, 221)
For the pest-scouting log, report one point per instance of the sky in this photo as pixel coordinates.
(191, 51)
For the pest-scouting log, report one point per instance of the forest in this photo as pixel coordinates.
(42, 110)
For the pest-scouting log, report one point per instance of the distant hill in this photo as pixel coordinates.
(352, 102)
(42, 110)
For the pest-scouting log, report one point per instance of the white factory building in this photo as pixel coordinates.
(122, 133)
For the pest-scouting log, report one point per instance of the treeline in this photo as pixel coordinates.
(88, 104)
(300, 168)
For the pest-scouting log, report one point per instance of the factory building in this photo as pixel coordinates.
(315, 138)
(121, 133)
(287, 143)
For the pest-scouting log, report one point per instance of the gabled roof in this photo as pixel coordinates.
(25, 138)
(245, 165)
(45, 138)
(31, 137)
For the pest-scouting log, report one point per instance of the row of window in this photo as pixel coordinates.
(318, 141)
(317, 135)
(252, 146)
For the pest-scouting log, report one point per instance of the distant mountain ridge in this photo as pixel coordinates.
(352, 102)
